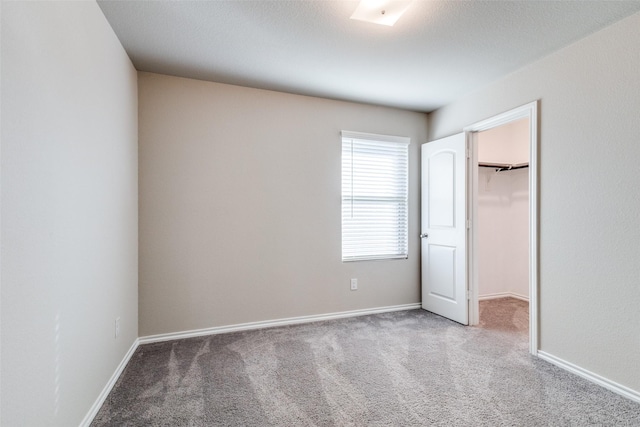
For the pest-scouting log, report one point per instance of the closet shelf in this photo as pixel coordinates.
(499, 167)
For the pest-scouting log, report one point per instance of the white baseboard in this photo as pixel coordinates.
(588, 375)
(503, 295)
(107, 388)
(271, 323)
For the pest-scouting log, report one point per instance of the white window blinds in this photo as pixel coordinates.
(375, 170)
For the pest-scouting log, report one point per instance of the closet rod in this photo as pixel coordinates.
(499, 167)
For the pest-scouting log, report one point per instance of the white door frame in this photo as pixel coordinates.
(529, 111)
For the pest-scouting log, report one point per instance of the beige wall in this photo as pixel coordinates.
(69, 210)
(240, 206)
(508, 143)
(589, 202)
(503, 232)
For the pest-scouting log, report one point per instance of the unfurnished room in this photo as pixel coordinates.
(319, 213)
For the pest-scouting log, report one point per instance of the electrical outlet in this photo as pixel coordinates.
(354, 284)
(117, 327)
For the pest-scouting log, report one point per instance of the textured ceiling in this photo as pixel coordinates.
(436, 52)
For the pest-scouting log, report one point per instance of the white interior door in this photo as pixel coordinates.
(444, 228)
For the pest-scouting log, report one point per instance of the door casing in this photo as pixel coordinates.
(529, 111)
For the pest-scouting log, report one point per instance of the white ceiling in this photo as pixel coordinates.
(436, 52)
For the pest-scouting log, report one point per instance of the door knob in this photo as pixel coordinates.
(424, 235)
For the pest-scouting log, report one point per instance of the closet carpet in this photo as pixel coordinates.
(408, 368)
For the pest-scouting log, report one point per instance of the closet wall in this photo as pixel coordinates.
(503, 213)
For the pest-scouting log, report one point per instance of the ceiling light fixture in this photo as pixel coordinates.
(383, 12)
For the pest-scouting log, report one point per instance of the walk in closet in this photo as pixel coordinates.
(503, 211)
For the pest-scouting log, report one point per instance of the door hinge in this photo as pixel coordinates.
(468, 224)
(468, 153)
(468, 295)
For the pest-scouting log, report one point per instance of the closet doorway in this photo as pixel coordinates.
(503, 206)
(503, 221)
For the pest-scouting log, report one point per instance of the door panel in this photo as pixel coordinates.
(444, 231)
(442, 279)
(441, 194)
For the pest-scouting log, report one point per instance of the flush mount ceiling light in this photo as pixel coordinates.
(383, 12)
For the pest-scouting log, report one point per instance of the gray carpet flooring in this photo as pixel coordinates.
(409, 368)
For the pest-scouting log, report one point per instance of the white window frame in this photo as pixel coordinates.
(395, 246)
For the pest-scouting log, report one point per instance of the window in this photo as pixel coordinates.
(375, 171)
